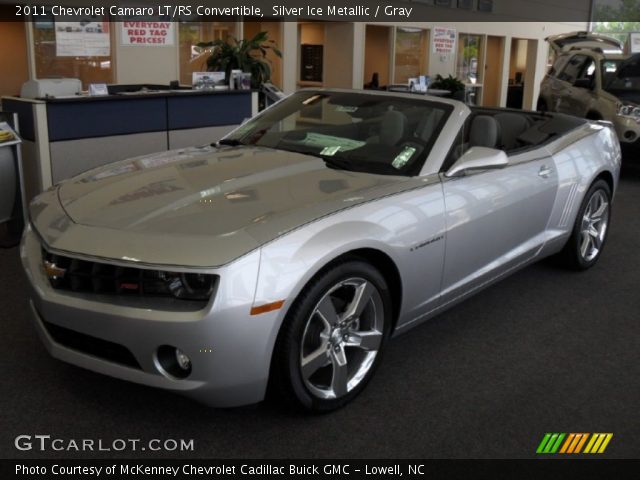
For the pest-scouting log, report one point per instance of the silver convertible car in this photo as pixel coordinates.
(282, 258)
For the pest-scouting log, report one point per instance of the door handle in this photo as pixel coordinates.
(544, 171)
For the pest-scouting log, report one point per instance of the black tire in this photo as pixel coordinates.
(573, 255)
(304, 325)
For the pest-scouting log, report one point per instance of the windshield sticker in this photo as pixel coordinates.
(403, 157)
(319, 140)
(330, 151)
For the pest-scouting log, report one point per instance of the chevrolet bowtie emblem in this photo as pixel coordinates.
(53, 271)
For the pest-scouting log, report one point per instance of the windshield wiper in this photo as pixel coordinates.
(337, 163)
(331, 162)
(231, 142)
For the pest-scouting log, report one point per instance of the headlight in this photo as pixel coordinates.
(193, 286)
(66, 273)
(632, 111)
(188, 286)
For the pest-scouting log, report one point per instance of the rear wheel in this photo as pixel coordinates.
(333, 336)
(590, 228)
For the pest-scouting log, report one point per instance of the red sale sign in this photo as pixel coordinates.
(154, 34)
(444, 40)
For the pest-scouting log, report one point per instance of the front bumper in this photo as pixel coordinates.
(627, 129)
(230, 350)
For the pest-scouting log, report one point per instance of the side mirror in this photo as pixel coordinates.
(478, 158)
(584, 83)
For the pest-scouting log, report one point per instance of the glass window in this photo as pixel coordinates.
(79, 49)
(610, 66)
(469, 51)
(588, 71)
(410, 54)
(573, 68)
(559, 65)
(192, 59)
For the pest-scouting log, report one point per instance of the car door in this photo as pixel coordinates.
(551, 85)
(495, 221)
(581, 95)
(563, 87)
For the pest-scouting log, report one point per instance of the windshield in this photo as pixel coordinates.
(352, 131)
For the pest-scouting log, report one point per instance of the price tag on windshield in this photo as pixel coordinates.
(403, 157)
(330, 151)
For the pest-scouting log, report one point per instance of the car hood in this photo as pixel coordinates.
(226, 201)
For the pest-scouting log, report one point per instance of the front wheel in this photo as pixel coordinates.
(333, 336)
(590, 228)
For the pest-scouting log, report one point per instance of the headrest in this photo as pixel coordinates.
(427, 124)
(392, 127)
(484, 132)
(511, 126)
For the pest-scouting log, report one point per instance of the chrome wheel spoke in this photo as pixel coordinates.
(314, 361)
(340, 375)
(586, 245)
(369, 340)
(327, 311)
(597, 215)
(360, 300)
(594, 226)
(596, 242)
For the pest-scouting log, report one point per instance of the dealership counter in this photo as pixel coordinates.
(65, 136)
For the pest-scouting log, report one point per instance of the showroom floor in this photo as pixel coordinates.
(545, 351)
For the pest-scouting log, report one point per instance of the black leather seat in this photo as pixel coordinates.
(512, 125)
(393, 128)
(483, 132)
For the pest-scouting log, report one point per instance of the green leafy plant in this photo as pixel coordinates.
(250, 56)
(450, 83)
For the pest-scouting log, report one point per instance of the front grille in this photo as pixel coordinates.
(83, 276)
(96, 347)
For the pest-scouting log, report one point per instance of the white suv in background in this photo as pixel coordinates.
(592, 78)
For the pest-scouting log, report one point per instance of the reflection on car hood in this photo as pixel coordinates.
(242, 192)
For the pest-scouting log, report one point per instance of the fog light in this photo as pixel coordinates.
(173, 362)
(183, 361)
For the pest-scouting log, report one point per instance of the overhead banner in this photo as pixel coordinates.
(444, 40)
(148, 34)
(86, 38)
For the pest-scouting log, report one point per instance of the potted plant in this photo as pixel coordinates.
(451, 83)
(250, 56)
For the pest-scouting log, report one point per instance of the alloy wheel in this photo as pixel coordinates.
(342, 338)
(594, 225)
